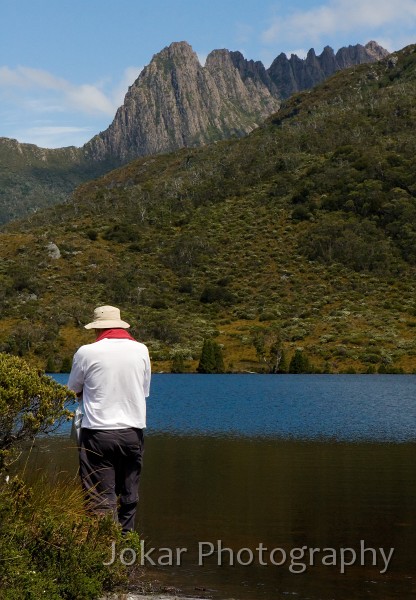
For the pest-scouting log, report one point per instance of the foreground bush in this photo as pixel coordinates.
(50, 549)
(30, 403)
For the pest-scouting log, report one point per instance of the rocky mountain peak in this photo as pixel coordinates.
(375, 50)
(291, 75)
(176, 50)
(177, 102)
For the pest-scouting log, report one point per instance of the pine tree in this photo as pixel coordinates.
(178, 365)
(299, 363)
(219, 359)
(50, 365)
(211, 360)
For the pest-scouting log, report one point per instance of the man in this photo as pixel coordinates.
(113, 376)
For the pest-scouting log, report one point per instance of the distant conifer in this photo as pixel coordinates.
(299, 363)
(211, 360)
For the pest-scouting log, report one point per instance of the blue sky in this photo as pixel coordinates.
(65, 65)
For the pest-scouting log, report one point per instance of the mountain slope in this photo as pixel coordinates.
(32, 178)
(300, 234)
(174, 103)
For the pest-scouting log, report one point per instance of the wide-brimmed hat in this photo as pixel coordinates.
(106, 317)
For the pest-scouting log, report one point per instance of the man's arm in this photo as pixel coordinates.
(147, 376)
(76, 376)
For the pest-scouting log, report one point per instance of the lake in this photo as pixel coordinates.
(289, 477)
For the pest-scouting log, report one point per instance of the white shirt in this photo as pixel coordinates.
(114, 378)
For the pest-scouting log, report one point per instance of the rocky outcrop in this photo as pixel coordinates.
(176, 102)
(291, 75)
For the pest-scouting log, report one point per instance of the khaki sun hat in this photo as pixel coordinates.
(106, 317)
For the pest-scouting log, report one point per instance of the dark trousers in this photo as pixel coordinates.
(110, 466)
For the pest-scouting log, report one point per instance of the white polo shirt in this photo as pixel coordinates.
(114, 378)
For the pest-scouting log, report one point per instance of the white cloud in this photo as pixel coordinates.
(86, 98)
(89, 99)
(340, 17)
(25, 78)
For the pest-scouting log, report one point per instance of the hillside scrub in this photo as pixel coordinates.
(310, 221)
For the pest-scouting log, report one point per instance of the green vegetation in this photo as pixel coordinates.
(30, 403)
(300, 363)
(211, 360)
(301, 234)
(33, 178)
(49, 547)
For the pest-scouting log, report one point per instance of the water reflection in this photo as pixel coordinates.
(281, 493)
(286, 461)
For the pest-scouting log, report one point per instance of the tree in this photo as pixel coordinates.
(219, 359)
(299, 363)
(30, 403)
(178, 365)
(66, 365)
(211, 360)
(269, 350)
(50, 365)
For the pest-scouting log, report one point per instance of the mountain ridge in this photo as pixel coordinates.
(231, 95)
(175, 102)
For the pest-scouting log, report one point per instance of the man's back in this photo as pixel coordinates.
(114, 377)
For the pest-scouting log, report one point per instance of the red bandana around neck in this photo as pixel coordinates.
(118, 333)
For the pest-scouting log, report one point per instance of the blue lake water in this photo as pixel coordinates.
(339, 407)
(314, 461)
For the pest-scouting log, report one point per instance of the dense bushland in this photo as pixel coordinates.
(306, 227)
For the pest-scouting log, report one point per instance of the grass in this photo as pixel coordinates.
(49, 547)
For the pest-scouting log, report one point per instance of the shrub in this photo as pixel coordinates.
(92, 234)
(299, 363)
(159, 304)
(211, 294)
(185, 287)
(50, 548)
(50, 365)
(267, 316)
(30, 403)
(301, 213)
(66, 365)
(122, 233)
(178, 364)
